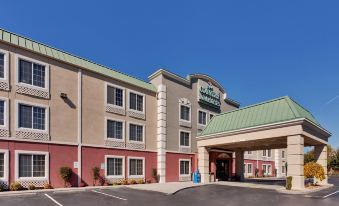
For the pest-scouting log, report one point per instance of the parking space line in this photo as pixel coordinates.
(333, 193)
(109, 195)
(56, 202)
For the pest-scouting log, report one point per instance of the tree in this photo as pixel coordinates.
(66, 174)
(314, 170)
(309, 157)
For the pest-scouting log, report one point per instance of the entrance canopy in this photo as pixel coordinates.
(275, 124)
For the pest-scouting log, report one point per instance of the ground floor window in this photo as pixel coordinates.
(114, 166)
(136, 167)
(2, 165)
(249, 168)
(267, 169)
(185, 167)
(31, 164)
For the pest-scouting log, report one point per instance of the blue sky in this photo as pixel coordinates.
(257, 49)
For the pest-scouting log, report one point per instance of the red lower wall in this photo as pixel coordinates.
(172, 165)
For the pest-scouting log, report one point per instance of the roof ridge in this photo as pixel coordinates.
(253, 105)
(292, 107)
(73, 55)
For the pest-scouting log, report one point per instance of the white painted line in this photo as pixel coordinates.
(109, 195)
(56, 202)
(331, 194)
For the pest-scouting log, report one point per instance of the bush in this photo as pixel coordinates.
(124, 182)
(141, 181)
(314, 170)
(47, 186)
(132, 182)
(95, 174)
(148, 181)
(66, 174)
(16, 186)
(2, 187)
(155, 174)
(289, 183)
(31, 187)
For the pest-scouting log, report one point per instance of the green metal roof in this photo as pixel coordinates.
(45, 50)
(273, 111)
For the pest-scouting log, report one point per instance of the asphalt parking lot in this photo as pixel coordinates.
(209, 194)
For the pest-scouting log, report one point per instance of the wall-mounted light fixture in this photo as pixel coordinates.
(63, 95)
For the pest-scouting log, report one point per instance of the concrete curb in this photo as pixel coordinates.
(304, 192)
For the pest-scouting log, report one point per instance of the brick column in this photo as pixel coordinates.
(320, 152)
(203, 162)
(161, 132)
(295, 161)
(239, 164)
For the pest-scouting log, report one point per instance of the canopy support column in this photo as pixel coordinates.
(295, 161)
(203, 162)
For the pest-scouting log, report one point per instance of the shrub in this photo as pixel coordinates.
(16, 186)
(148, 181)
(132, 182)
(155, 174)
(47, 186)
(141, 181)
(289, 183)
(2, 187)
(95, 174)
(66, 174)
(124, 182)
(314, 170)
(31, 187)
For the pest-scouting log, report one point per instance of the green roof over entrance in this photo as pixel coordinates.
(54, 53)
(269, 112)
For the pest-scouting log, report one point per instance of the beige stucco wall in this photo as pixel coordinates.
(94, 111)
(63, 78)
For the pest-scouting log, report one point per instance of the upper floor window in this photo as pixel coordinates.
(283, 154)
(184, 139)
(2, 112)
(136, 102)
(115, 129)
(266, 153)
(136, 132)
(31, 73)
(202, 117)
(211, 116)
(249, 152)
(2, 65)
(32, 117)
(115, 96)
(185, 112)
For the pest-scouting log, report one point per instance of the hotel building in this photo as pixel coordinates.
(57, 109)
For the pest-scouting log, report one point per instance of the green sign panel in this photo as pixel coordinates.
(209, 97)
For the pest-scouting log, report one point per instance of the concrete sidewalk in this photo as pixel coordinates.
(167, 188)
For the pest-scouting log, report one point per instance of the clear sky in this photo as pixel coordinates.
(257, 49)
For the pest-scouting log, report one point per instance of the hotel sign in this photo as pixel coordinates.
(208, 96)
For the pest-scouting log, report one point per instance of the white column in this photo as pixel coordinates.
(203, 162)
(161, 132)
(79, 127)
(320, 152)
(295, 161)
(277, 159)
(239, 164)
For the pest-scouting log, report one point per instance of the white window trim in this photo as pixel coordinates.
(46, 130)
(190, 138)
(123, 166)
(123, 129)
(190, 114)
(207, 117)
(143, 101)
(6, 65)
(190, 168)
(143, 133)
(267, 172)
(6, 165)
(123, 93)
(266, 153)
(18, 152)
(143, 167)
(17, 58)
(6, 113)
(251, 173)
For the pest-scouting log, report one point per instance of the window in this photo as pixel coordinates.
(264, 169)
(283, 169)
(185, 112)
(269, 153)
(185, 168)
(136, 167)
(266, 153)
(249, 152)
(115, 129)
(136, 132)
(2, 165)
(184, 139)
(32, 117)
(114, 166)
(2, 65)
(32, 165)
(136, 102)
(202, 117)
(267, 169)
(2, 112)
(283, 154)
(211, 116)
(249, 168)
(115, 96)
(31, 73)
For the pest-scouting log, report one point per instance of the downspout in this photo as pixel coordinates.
(79, 127)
